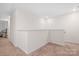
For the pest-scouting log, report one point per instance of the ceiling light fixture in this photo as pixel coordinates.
(75, 9)
(46, 20)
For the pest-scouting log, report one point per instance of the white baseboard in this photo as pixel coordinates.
(38, 47)
(19, 47)
(23, 50)
(13, 43)
(28, 52)
(57, 42)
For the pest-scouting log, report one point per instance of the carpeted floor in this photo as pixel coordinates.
(69, 49)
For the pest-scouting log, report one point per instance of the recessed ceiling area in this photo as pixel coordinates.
(39, 9)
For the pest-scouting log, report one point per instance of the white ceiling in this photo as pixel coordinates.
(39, 9)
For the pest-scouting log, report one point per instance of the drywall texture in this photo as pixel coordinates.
(12, 28)
(56, 36)
(28, 41)
(70, 24)
(26, 20)
(37, 39)
(27, 33)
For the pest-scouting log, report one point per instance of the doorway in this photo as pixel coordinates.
(3, 29)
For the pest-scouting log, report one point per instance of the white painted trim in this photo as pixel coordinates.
(13, 43)
(23, 50)
(18, 47)
(59, 43)
(28, 52)
(38, 48)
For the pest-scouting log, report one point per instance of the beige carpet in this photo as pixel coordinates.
(69, 49)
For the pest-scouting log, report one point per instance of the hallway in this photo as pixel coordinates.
(7, 49)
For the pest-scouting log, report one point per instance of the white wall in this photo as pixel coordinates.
(31, 40)
(56, 36)
(26, 20)
(22, 40)
(30, 32)
(8, 27)
(27, 34)
(24, 26)
(70, 24)
(12, 28)
(37, 39)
